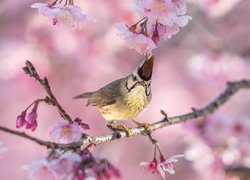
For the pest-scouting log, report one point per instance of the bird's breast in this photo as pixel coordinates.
(132, 105)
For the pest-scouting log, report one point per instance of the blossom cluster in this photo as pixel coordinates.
(159, 20)
(163, 165)
(219, 142)
(71, 165)
(64, 15)
(211, 66)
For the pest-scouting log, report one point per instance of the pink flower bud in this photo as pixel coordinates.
(20, 121)
(32, 119)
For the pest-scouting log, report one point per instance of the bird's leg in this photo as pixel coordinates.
(114, 126)
(147, 126)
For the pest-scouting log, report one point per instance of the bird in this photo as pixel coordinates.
(125, 98)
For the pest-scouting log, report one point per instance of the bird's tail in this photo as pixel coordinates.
(84, 95)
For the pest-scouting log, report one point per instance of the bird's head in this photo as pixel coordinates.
(142, 75)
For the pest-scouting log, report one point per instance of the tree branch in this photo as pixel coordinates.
(30, 70)
(231, 89)
(41, 142)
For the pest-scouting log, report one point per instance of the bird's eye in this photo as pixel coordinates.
(134, 78)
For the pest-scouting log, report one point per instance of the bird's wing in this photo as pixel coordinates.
(106, 95)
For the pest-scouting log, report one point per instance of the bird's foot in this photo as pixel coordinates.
(146, 126)
(120, 127)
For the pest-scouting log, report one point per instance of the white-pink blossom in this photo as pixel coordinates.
(64, 15)
(150, 166)
(65, 132)
(141, 43)
(163, 17)
(165, 165)
(64, 165)
(53, 168)
(155, 10)
(40, 169)
(168, 165)
(137, 41)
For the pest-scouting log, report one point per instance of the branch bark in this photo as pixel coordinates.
(30, 70)
(230, 90)
(41, 142)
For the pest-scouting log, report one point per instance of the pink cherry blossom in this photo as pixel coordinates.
(141, 43)
(150, 167)
(160, 10)
(40, 170)
(180, 6)
(137, 41)
(64, 165)
(64, 15)
(167, 165)
(53, 168)
(20, 121)
(65, 132)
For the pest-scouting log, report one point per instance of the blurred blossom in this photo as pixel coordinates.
(53, 168)
(66, 132)
(65, 165)
(217, 67)
(11, 63)
(105, 170)
(220, 139)
(216, 8)
(64, 15)
(40, 169)
(3, 149)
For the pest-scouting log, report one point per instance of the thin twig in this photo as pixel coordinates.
(30, 70)
(41, 142)
(231, 89)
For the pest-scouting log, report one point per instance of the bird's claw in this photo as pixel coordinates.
(120, 127)
(146, 126)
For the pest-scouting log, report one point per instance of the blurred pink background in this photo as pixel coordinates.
(190, 71)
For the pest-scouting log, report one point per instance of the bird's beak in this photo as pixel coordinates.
(146, 69)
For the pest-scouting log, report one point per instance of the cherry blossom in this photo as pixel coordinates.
(65, 132)
(55, 166)
(40, 169)
(64, 15)
(65, 165)
(167, 165)
(160, 20)
(150, 167)
(165, 12)
(140, 42)
(164, 165)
